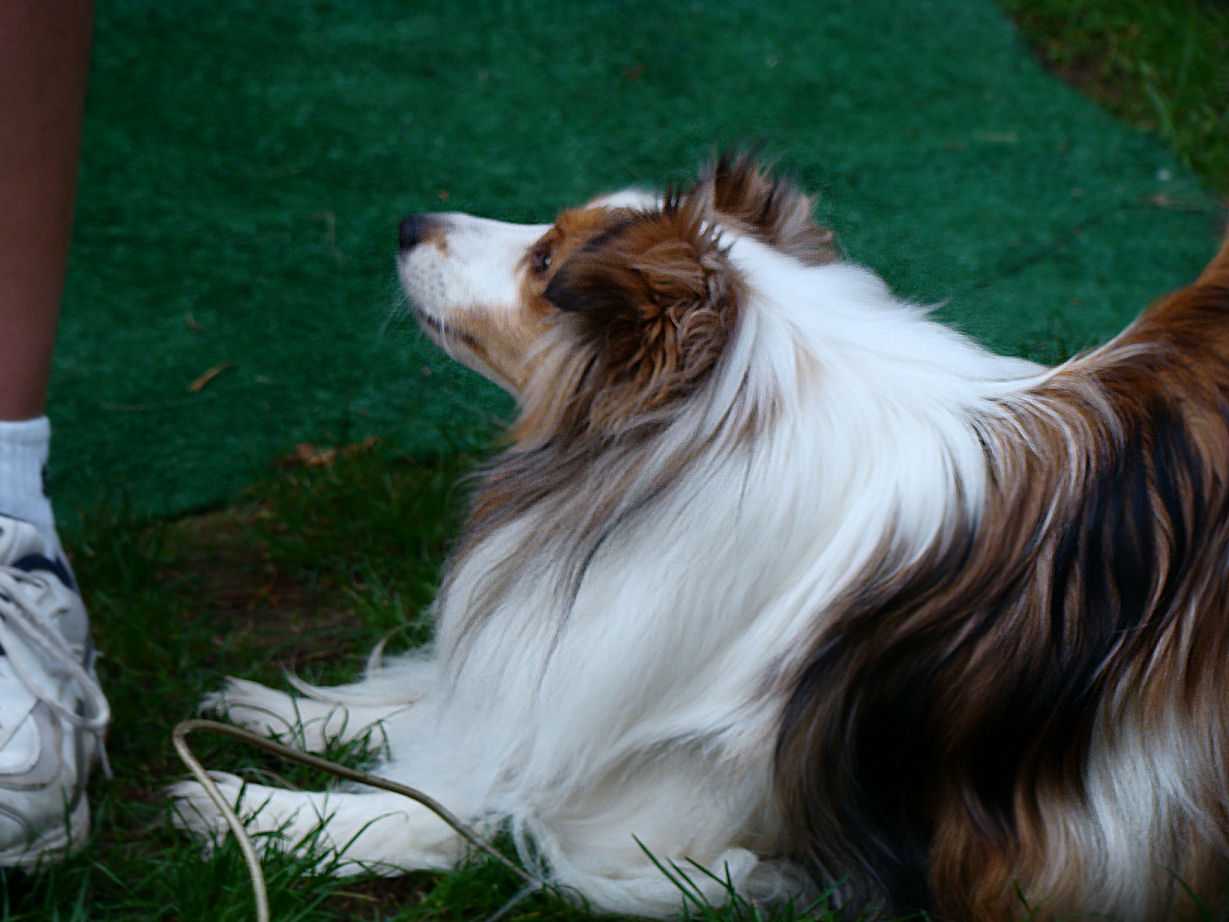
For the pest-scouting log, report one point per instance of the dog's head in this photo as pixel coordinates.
(614, 312)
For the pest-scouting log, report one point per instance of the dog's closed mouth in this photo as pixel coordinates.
(442, 331)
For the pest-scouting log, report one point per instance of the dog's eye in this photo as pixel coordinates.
(539, 260)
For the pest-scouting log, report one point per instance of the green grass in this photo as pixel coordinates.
(1159, 64)
(320, 561)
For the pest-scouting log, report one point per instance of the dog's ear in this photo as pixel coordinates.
(743, 191)
(655, 299)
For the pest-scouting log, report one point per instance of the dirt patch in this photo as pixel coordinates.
(259, 604)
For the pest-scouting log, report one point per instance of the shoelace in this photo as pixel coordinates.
(22, 623)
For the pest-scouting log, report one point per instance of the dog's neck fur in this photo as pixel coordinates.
(839, 414)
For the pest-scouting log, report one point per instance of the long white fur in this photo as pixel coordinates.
(647, 715)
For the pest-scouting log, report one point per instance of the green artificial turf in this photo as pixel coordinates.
(246, 164)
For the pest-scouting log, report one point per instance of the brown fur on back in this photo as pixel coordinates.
(947, 738)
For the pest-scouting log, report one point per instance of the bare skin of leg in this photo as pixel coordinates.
(45, 46)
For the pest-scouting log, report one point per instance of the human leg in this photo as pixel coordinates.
(52, 713)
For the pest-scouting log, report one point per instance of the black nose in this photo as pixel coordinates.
(415, 229)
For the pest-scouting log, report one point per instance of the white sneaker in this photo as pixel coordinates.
(52, 712)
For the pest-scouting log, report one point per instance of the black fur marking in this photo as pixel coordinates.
(569, 294)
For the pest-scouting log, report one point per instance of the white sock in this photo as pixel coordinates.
(24, 447)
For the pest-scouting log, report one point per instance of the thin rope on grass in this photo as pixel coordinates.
(260, 892)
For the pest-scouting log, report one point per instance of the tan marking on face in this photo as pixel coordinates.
(515, 344)
(650, 301)
(498, 334)
(570, 232)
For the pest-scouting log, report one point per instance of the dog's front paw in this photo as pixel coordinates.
(310, 720)
(274, 820)
(196, 813)
(257, 708)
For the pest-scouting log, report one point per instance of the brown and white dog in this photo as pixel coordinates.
(782, 577)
